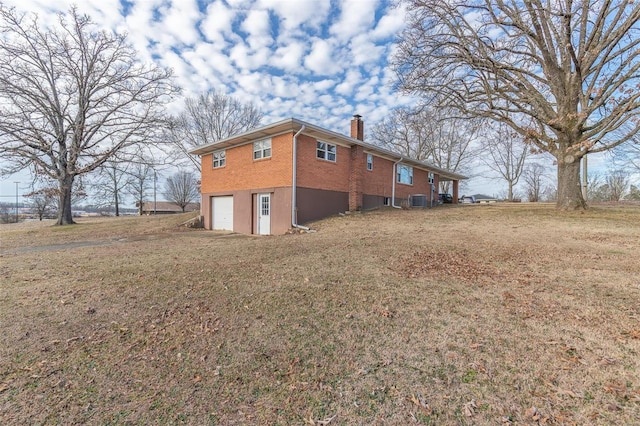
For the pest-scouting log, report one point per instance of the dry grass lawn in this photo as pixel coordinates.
(512, 314)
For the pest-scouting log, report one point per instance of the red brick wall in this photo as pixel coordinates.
(242, 172)
(322, 174)
(379, 180)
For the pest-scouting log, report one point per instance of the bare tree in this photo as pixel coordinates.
(427, 134)
(595, 187)
(208, 118)
(628, 156)
(550, 193)
(406, 132)
(506, 155)
(142, 178)
(181, 189)
(112, 179)
(563, 74)
(42, 200)
(72, 97)
(634, 193)
(617, 183)
(534, 178)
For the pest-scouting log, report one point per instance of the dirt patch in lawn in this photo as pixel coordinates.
(475, 315)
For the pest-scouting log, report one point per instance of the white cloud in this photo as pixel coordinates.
(257, 25)
(180, 19)
(323, 85)
(364, 51)
(293, 14)
(320, 60)
(288, 57)
(356, 17)
(391, 23)
(348, 86)
(217, 22)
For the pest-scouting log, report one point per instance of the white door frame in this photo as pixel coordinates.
(264, 213)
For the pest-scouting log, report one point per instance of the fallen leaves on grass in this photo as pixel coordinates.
(615, 388)
(420, 402)
(607, 361)
(634, 334)
(534, 414)
(459, 264)
(313, 422)
(470, 408)
(386, 313)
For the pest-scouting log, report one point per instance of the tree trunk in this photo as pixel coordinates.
(117, 202)
(65, 215)
(569, 190)
(510, 196)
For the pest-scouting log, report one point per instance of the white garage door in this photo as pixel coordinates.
(222, 213)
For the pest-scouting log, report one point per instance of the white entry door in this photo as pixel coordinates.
(222, 213)
(264, 214)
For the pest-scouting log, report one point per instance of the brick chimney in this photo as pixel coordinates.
(357, 165)
(357, 127)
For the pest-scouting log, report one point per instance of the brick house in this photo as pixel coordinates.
(273, 178)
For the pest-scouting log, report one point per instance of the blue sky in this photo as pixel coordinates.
(317, 60)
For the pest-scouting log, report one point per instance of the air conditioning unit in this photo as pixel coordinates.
(419, 200)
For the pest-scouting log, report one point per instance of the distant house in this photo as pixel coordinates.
(273, 178)
(484, 199)
(165, 207)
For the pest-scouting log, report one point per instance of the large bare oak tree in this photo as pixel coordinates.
(71, 97)
(564, 74)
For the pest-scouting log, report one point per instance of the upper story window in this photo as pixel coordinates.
(405, 174)
(369, 162)
(326, 151)
(431, 178)
(262, 149)
(219, 159)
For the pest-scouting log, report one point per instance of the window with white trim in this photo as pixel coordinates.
(431, 178)
(326, 151)
(219, 159)
(262, 149)
(405, 174)
(369, 162)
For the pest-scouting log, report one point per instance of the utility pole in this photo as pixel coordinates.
(16, 201)
(155, 178)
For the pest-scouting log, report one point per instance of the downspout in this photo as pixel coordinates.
(294, 219)
(393, 184)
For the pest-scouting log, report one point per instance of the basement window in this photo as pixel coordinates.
(326, 151)
(405, 174)
(219, 159)
(386, 201)
(262, 149)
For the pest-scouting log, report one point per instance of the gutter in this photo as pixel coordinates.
(294, 185)
(393, 184)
